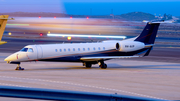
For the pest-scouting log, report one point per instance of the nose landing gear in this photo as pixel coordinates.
(18, 67)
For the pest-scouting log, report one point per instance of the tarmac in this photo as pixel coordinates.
(128, 77)
(155, 76)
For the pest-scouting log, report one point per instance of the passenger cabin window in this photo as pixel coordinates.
(30, 50)
(64, 49)
(104, 48)
(94, 48)
(60, 50)
(73, 49)
(99, 48)
(78, 49)
(56, 50)
(83, 49)
(68, 49)
(88, 49)
(24, 49)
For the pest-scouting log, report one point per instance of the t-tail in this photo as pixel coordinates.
(148, 35)
(3, 21)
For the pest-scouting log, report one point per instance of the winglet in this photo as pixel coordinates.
(6, 18)
(2, 42)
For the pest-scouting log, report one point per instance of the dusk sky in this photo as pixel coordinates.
(92, 7)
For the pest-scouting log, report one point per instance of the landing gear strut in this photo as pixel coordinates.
(87, 65)
(18, 67)
(102, 65)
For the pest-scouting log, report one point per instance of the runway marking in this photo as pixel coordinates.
(75, 84)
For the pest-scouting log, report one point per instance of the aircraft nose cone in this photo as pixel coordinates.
(11, 58)
(6, 59)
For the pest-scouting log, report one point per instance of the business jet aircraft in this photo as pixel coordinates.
(89, 53)
(3, 21)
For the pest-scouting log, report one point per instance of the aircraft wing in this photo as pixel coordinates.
(105, 58)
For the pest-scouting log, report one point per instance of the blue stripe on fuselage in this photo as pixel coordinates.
(76, 57)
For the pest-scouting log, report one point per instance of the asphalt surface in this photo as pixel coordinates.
(155, 76)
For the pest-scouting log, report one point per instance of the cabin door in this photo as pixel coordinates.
(39, 52)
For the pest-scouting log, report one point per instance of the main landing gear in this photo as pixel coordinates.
(102, 65)
(18, 67)
(87, 65)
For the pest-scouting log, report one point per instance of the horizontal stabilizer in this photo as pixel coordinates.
(160, 21)
(105, 58)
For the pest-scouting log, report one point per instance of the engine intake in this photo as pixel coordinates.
(117, 46)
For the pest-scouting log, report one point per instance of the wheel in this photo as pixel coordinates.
(19, 68)
(103, 66)
(88, 65)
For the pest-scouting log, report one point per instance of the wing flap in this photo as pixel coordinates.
(105, 58)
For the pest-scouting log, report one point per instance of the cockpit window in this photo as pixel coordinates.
(24, 49)
(30, 50)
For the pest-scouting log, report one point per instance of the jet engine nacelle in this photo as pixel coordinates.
(128, 46)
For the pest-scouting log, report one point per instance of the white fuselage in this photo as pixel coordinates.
(74, 50)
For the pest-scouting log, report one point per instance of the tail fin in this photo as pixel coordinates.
(149, 33)
(3, 21)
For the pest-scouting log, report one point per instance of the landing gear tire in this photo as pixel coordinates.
(18, 67)
(88, 65)
(103, 66)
